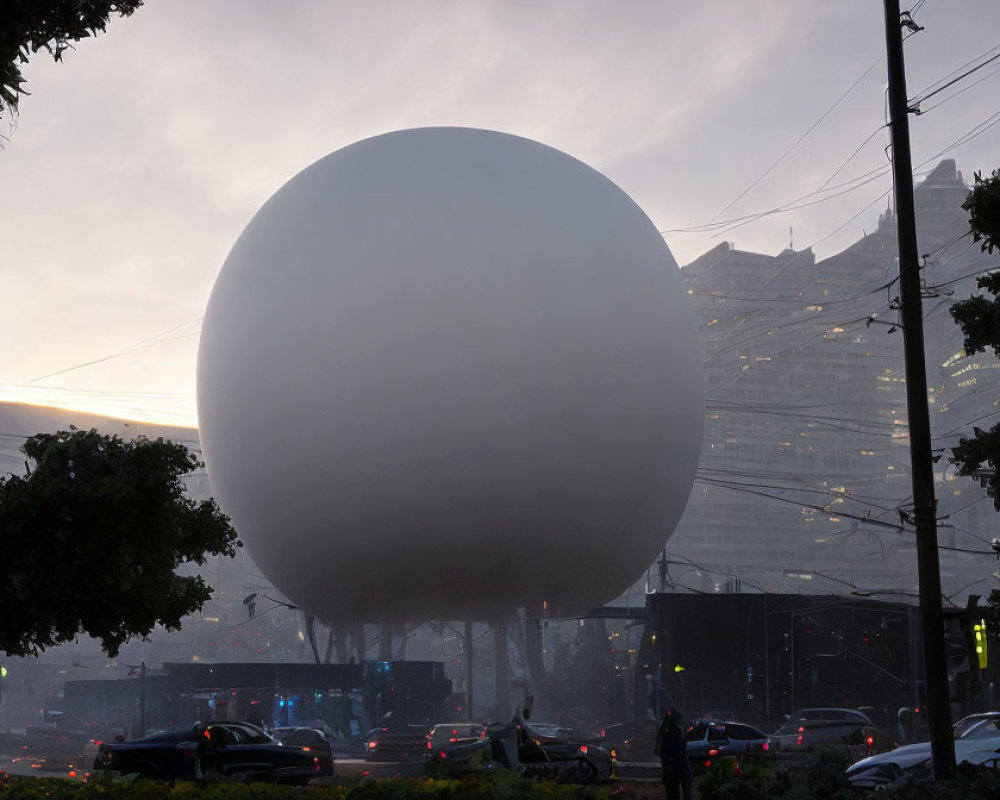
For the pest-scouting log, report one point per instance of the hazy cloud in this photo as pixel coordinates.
(137, 162)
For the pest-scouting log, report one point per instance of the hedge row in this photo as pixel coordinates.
(503, 786)
(824, 778)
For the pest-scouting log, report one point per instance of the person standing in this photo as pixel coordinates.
(671, 747)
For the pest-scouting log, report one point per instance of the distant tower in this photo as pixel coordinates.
(791, 238)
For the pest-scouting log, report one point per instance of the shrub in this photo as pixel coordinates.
(824, 777)
(970, 783)
(821, 778)
(484, 786)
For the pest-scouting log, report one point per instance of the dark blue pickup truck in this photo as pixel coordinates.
(233, 750)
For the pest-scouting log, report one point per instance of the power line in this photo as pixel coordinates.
(930, 92)
(960, 91)
(141, 345)
(792, 205)
(801, 138)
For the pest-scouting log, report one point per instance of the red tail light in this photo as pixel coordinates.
(765, 747)
(713, 752)
(583, 749)
(870, 741)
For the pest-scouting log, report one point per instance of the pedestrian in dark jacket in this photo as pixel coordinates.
(671, 747)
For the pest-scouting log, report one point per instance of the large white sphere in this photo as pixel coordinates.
(450, 373)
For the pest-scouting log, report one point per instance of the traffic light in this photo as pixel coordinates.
(979, 632)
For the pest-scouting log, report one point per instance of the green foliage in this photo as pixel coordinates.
(979, 457)
(822, 778)
(27, 26)
(970, 783)
(979, 318)
(983, 205)
(646, 790)
(505, 786)
(723, 782)
(479, 761)
(91, 538)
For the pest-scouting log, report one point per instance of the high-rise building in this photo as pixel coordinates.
(804, 479)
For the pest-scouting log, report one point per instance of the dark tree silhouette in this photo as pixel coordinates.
(90, 539)
(27, 26)
(979, 318)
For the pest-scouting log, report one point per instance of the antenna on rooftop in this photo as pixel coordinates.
(791, 238)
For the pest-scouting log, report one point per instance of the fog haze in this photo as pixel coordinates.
(136, 162)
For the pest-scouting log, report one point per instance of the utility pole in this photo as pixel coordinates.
(921, 464)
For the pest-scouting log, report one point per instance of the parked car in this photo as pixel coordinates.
(814, 727)
(235, 750)
(536, 750)
(52, 749)
(446, 737)
(401, 743)
(708, 740)
(306, 738)
(323, 739)
(629, 741)
(977, 740)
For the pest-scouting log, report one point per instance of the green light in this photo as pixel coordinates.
(678, 668)
(3, 671)
(980, 633)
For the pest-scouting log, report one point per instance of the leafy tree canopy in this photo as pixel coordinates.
(27, 26)
(979, 318)
(90, 539)
(983, 205)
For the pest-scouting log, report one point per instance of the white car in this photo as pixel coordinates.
(977, 740)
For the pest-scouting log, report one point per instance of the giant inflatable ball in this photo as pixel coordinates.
(449, 373)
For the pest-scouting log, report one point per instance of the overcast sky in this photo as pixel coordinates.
(137, 161)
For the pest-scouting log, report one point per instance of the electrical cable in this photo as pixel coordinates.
(141, 345)
(801, 138)
(851, 157)
(792, 205)
(796, 207)
(965, 138)
(930, 92)
(960, 92)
